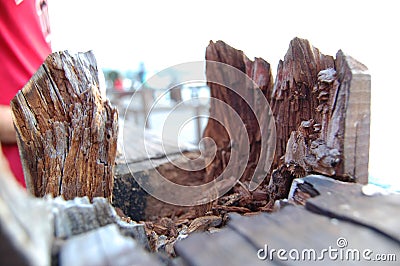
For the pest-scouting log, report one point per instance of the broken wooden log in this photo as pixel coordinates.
(322, 111)
(67, 130)
(321, 106)
(242, 100)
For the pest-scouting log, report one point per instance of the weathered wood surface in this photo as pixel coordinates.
(224, 248)
(355, 83)
(67, 130)
(321, 107)
(79, 224)
(57, 232)
(348, 202)
(292, 99)
(301, 228)
(26, 233)
(78, 216)
(320, 104)
(260, 72)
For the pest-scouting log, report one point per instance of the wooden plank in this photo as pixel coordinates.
(67, 130)
(297, 228)
(223, 248)
(347, 202)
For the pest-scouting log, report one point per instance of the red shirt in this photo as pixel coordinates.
(24, 44)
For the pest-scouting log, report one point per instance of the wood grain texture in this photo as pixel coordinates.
(67, 130)
(241, 101)
(223, 248)
(322, 115)
(347, 202)
(296, 228)
(355, 83)
(292, 99)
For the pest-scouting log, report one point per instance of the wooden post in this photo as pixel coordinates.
(322, 114)
(321, 107)
(67, 130)
(259, 71)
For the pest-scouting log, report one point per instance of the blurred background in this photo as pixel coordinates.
(133, 40)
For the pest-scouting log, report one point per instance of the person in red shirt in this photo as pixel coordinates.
(24, 45)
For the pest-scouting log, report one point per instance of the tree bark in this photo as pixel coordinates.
(67, 130)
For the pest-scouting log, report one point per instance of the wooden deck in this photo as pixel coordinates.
(341, 218)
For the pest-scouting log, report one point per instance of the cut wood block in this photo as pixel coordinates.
(67, 130)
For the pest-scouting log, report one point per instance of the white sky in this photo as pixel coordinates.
(164, 33)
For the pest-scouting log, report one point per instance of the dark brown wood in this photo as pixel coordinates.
(67, 130)
(292, 99)
(260, 72)
(321, 110)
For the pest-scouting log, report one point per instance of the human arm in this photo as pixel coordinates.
(7, 131)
